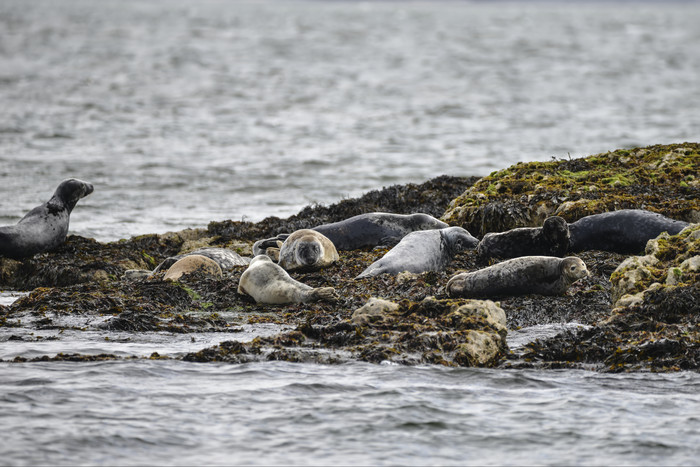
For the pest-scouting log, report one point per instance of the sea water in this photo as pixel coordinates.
(181, 113)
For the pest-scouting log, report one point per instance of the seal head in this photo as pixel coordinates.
(307, 249)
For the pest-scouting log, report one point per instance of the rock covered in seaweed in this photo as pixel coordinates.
(662, 178)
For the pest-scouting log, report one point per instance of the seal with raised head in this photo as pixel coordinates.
(626, 231)
(307, 249)
(268, 283)
(45, 227)
(225, 258)
(426, 250)
(543, 275)
(552, 239)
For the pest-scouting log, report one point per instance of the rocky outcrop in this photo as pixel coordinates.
(662, 178)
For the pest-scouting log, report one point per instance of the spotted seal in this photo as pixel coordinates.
(625, 231)
(307, 249)
(268, 283)
(45, 227)
(225, 258)
(425, 250)
(543, 275)
(552, 239)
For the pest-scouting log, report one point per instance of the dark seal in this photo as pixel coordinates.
(552, 239)
(626, 231)
(543, 275)
(426, 250)
(376, 228)
(45, 227)
(364, 230)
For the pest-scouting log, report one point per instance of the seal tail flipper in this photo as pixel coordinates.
(327, 294)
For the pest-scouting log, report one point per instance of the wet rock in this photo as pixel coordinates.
(373, 310)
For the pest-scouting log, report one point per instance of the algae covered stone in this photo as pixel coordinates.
(661, 178)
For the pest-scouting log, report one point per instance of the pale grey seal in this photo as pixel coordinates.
(426, 250)
(625, 231)
(45, 227)
(307, 249)
(543, 275)
(225, 258)
(268, 283)
(552, 239)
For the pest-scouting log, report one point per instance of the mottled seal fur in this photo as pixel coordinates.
(268, 283)
(625, 231)
(225, 258)
(426, 250)
(543, 275)
(307, 249)
(552, 239)
(45, 227)
(376, 228)
(191, 264)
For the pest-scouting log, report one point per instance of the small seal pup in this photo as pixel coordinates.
(268, 283)
(307, 249)
(225, 258)
(543, 275)
(552, 239)
(425, 250)
(45, 227)
(625, 231)
(376, 228)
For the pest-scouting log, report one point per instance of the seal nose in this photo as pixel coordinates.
(89, 188)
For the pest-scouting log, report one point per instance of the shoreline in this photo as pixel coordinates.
(83, 279)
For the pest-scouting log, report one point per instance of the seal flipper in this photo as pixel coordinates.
(327, 294)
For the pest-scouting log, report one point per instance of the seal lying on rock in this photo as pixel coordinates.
(190, 264)
(427, 250)
(268, 283)
(45, 227)
(625, 231)
(543, 275)
(552, 239)
(307, 249)
(225, 258)
(376, 228)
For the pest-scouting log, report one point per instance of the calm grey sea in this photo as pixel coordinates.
(184, 112)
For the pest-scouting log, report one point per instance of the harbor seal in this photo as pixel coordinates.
(193, 264)
(45, 227)
(426, 250)
(364, 230)
(225, 258)
(543, 275)
(376, 228)
(625, 231)
(307, 249)
(268, 283)
(552, 239)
